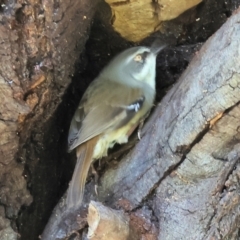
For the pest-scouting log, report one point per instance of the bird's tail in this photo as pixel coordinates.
(84, 160)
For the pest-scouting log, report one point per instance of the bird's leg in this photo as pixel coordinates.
(140, 126)
(96, 177)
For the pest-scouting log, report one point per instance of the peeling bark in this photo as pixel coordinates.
(105, 223)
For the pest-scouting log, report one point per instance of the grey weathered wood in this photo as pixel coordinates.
(183, 167)
(179, 137)
(209, 86)
(106, 223)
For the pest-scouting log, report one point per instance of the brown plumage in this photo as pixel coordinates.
(84, 159)
(111, 107)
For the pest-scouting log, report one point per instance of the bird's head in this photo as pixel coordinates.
(133, 65)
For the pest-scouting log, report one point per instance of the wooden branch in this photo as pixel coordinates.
(208, 87)
(182, 163)
(224, 224)
(128, 11)
(174, 162)
(105, 223)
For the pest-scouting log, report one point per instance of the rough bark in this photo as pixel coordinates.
(184, 171)
(106, 223)
(127, 16)
(40, 45)
(185, 161)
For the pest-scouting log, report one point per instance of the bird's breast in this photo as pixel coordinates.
(110, 138)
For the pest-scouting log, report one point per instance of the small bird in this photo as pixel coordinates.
(109, 111)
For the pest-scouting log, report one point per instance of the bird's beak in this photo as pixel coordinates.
(157, 46)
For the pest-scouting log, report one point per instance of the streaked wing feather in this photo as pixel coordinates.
(105, 115)
(93, 126)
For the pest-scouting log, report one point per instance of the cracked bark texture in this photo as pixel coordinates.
(184, 172)
(185, 161)
(40, 43)
(40, 46)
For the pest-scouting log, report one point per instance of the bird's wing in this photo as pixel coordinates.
(101, 110)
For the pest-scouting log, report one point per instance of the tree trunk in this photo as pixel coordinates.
(40, 43)
(180, 181)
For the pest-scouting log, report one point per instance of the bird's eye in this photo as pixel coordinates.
(141, 57)
(138, 58)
